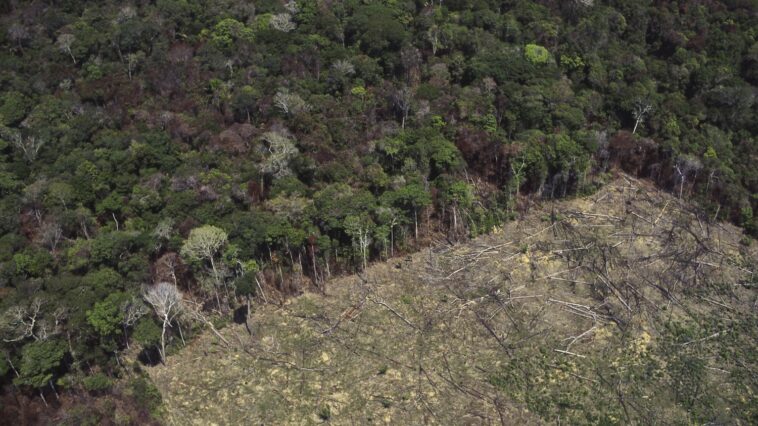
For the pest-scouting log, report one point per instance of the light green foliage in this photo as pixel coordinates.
(391, 146)
(106, 316)
(565, 154)
(376, 176)
(77, 254)
(536, 54)
(60, 195)
(445, 155)
(459, 192)
(92, 70)
(572, 62)
(97, 383)
(32, 262)
(433, 152)
(228, 31)
(204, 243)
(438, 121)
(710, 153)
(250, 267)
(357, 226)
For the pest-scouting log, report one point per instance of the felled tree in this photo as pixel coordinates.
(204, 244)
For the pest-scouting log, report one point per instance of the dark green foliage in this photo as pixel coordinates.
(149, 120)
(13, 108)
(376, 29)
(325, 413)
(245, 285)
(39, 362)
(106, 316)
(97, 383)
(147, 333)
(143, 390)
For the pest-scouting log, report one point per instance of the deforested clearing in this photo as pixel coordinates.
(618, 307)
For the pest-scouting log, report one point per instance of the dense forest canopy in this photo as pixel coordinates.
(248, 150)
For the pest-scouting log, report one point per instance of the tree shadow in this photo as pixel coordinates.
(150, 356)
(240, 315)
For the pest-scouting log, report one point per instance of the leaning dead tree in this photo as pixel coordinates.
(641, 109)
(65, 42)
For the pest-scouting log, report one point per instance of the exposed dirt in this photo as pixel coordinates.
(555, 317)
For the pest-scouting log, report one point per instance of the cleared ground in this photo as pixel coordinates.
(620, 307)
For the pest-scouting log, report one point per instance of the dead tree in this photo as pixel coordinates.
(402, 101)
(641, 109)
(29, 145)
(132, 311)
(166, 300)
(685, 166)
(22, 322)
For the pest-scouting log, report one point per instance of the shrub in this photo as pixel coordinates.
(97, 383)
(536, 54)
